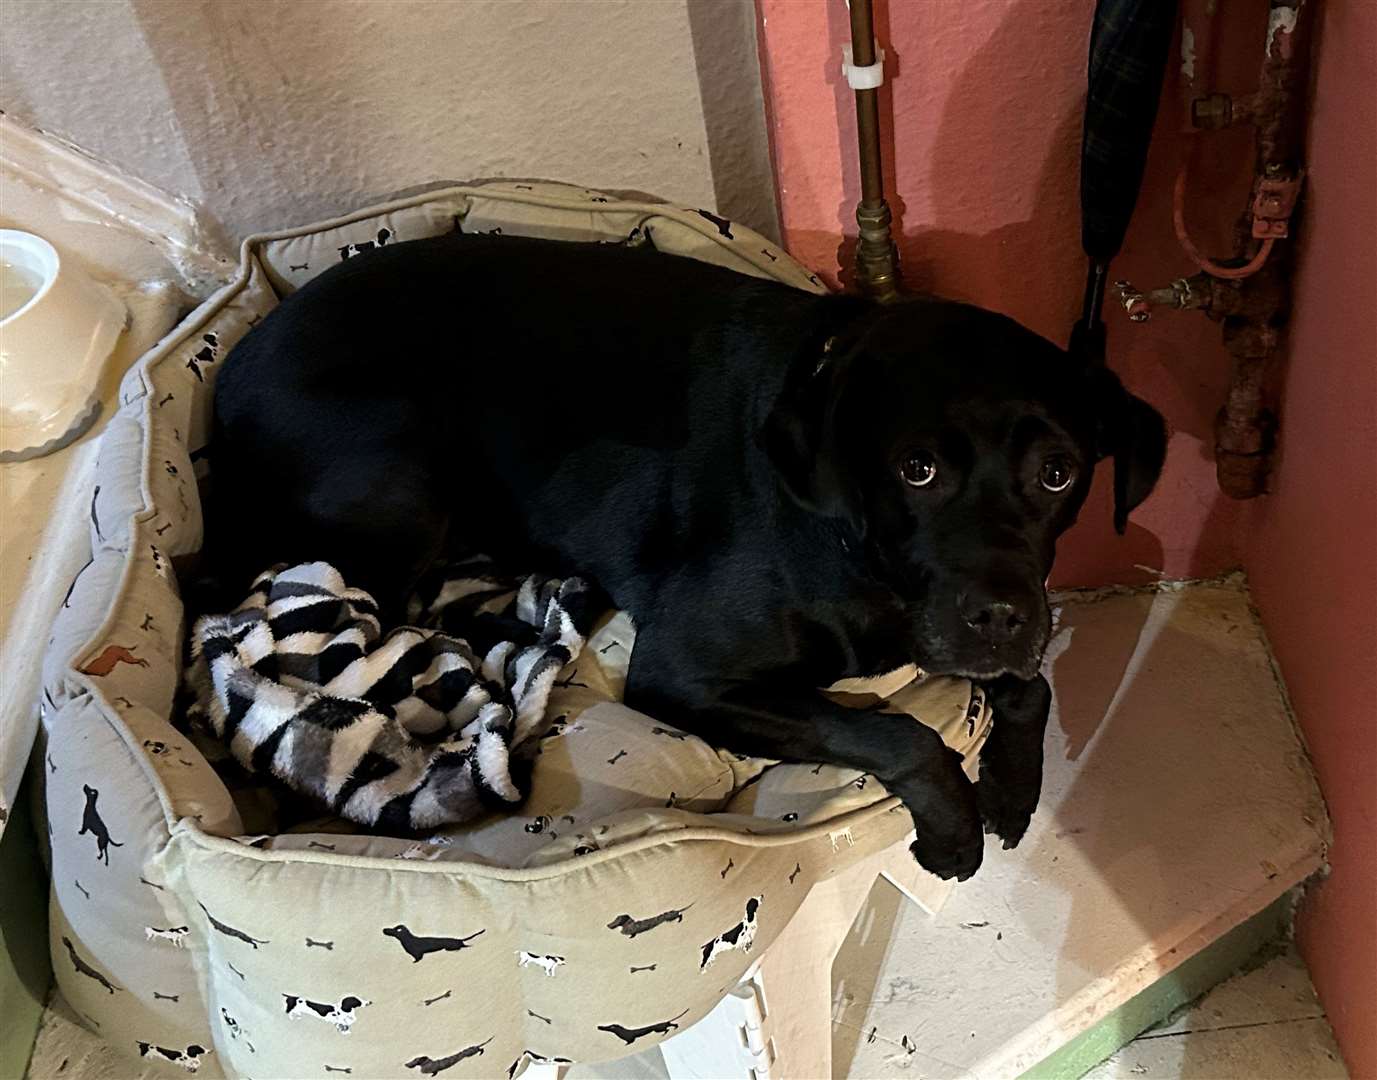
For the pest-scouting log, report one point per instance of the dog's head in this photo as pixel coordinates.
(958, 446)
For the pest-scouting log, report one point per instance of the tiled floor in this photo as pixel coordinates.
(1262, 1025)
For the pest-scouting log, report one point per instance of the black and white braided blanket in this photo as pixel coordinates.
(402, 731)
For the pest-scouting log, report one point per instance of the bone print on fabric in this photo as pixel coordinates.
(404, 731)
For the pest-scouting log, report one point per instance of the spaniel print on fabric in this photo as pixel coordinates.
(341, 1015)
(741, 936)
(546, 964)
(173, 934)
(189, 1059)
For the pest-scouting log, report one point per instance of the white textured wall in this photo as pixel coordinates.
(276, 112)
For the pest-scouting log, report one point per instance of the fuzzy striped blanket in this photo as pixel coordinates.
(400, 731)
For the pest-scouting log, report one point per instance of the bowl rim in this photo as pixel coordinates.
(47, 255)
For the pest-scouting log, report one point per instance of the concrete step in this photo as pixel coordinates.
(1179, 811)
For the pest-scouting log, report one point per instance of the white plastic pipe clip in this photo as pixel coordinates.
(867, 76)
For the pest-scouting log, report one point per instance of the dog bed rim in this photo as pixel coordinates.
(501, 188)
(833, 827)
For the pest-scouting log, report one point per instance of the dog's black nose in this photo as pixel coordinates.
(997, 621)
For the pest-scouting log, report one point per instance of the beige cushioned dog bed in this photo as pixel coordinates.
(199, 922)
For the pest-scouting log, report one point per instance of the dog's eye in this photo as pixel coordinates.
(919, 469)
(1056, 474)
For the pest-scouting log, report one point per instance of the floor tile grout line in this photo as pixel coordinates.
(1229, 1027)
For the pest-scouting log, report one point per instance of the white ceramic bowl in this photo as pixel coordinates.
(57, 328)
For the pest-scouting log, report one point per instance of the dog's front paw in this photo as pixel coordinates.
(949, 840)
(949, 859)
(1006, 807)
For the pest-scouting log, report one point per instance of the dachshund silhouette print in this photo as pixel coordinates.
(741, 936)
(631, 927)
(418, 947)
(431, 1066)
(723, 225)
(230, 931)
(83, 968)
(630, 1035)
(189, 1059)
(91, 823)
(535, 1059)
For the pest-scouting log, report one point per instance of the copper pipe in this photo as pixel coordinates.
(877, 259)
(1245, 429)
(1250, 292)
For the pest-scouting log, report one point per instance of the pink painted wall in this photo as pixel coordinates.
(981, 126)
(1311, 547)
(982, 132)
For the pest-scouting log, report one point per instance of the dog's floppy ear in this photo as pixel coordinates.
(799, 436)
(1135, 435)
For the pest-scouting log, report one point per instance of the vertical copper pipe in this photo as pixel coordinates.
(877, 260)
(1245, 428)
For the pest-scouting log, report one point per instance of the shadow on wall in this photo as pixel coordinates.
(324, 108)
(982, 174)
(726, 57)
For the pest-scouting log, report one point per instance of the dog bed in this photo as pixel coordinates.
(202, 920)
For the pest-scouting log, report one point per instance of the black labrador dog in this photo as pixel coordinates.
(783, 489)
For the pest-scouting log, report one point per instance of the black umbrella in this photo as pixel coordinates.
(1129, 43)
